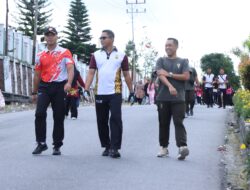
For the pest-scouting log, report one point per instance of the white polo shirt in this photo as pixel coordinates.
(208, 78)
(222, 79)
(109, 67)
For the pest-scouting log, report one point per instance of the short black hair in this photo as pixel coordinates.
(110, 33)
(175, 41)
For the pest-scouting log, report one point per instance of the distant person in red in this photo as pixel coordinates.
(199, 94)
(53, 75)
(73, 96)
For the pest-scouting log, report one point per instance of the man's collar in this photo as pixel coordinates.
(55, 49)
(114, 49)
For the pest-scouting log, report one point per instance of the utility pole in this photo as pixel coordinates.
(35, 32)
(7, 26)
(133, 11)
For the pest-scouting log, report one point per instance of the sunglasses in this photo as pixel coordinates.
(103, 38)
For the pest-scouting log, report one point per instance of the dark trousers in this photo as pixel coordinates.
(199, 100)
(222, 99)
(109, 128)
(71, 104)
(209, 96)
(190, 100)
(50, 93)
(167, 111)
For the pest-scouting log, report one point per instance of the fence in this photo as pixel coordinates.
(16, 69)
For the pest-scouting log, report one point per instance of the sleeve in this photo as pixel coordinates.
(38, 65)
(125, 65)
(195, 73)
(79, 79)
(215, 78)
(92, 64)
(185, 66)
(68, 58)
(204, 78)
(158, 64)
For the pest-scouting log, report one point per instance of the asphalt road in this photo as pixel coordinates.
(81, 166)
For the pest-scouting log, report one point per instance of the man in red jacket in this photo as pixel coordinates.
(73, 96)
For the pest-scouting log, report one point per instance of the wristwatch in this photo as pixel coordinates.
(170, 74)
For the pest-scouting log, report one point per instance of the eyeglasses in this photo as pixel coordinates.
(103, 37)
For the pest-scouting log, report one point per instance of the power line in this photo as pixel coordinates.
(133, 11)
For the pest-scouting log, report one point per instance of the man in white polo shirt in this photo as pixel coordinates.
(222, 82)
(107, 63)
(209, 80)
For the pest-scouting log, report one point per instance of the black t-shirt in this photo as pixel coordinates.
(190, 83)
(176, 66)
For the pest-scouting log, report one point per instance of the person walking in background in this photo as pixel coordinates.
(54, 72)
(229, 95)
(146, 97)
(199, 94)
(139, 92)
(189, 91)
(208, 80)
(151, 91)
(222, 82)
(172, 72)
(71, 102)
(109, 62)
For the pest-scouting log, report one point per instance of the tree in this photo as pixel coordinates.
(26, 16)
(218, 60)
(78, 32)
(130, 47)
(148, 55)
(244, 66)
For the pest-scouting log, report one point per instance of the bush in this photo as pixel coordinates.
(244, 70)
(241, 101)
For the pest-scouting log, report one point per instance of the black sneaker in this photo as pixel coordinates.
(105, 152)
(114, 153)
(40, 148)
(56, 151)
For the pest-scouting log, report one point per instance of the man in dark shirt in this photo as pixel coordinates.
(172, 72)
(190, 93)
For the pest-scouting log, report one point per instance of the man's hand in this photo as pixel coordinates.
(132, 98)
(67, 87)
(34, 98)
(172, 91)
(86, 95)
(162, 72)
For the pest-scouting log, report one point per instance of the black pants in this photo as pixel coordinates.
(50, 93)
(199, 100)
(209, 96)
(109, 129)
(139, 100)
(222, 99)
(190, 100)
(71, 104)
(167, 110)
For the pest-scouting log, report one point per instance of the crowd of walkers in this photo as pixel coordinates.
(173, 87)
(211, 91)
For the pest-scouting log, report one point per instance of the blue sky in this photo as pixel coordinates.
(202, 26)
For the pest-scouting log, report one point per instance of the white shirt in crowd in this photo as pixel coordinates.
(208, 78)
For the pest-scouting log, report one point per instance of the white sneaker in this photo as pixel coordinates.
(183, 153)
(73, 118)
(163, 152)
